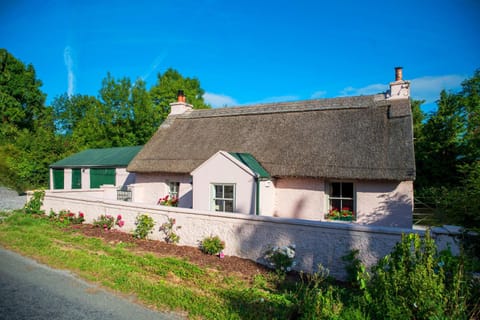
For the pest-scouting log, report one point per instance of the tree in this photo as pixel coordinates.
(165, 91)
(448, 156)
(21, 100)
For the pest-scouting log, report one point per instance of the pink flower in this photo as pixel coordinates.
(104, 226)
(121, 223)
(119, 217)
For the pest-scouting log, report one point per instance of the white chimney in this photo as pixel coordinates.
(180, 106)
(399, 89)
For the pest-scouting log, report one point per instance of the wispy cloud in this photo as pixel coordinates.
(424, 88)
(370, 89)
(219, 100)
(273, 99)
(428, 88)
(319, 94)
(154, 65)
(68, 59)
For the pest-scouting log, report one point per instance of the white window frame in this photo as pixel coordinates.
(173, 189)
(213, 197)
(341, 197)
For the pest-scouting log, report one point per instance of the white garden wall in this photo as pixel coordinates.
(250, 236)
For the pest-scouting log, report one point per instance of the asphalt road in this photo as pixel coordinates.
(29, 290)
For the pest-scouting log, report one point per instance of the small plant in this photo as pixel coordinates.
(167, 201)
(346, 214)
(67, 217)
(168, 228)
(34, 205)
(212, 245)
(144, 225)
(107, 222)
(282, 259)
(357, 274)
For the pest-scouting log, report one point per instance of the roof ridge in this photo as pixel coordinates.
(353, 102)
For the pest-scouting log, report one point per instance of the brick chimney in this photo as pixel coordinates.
(181, 105)
(399, 89)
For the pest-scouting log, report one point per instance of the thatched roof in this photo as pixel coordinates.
(364, 137)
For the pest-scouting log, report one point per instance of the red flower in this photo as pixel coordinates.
(119, 217)
(81, 215)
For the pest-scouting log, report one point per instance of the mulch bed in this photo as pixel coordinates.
(231, 265)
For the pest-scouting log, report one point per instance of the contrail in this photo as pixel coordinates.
(154, 65)
(67, 57)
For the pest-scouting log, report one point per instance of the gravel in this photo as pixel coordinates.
(10, 200)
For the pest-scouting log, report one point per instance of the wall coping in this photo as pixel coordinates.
(245, 217)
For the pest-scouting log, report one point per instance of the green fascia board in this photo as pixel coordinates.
(107, 157)
(250, 161)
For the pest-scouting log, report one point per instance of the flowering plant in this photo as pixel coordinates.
(281, 259)
(167, 201)
(345, 214)
(107, 222)
(168, 228)
(67, 217)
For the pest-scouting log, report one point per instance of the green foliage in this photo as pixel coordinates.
(315, 298)
(168, 228)
(66, 217)
(34, 205)
(357, 274)
(414, 282)
(212, 245)
(144, 226)
(282, 259)
(165, 91)
(107, 222)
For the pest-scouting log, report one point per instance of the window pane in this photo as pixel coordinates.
(228, 192)
(219, 205)
(347, 190)
(335, 204)
(218, 191)
(336, 189)
(228, 205)
(347, 204)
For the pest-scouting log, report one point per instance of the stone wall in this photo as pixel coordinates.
(249, 236)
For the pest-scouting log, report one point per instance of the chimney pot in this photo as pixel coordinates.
(398, 74)
(180, 96)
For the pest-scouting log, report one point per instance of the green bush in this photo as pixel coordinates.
(34, 205)
(169, 228)
(282, 259)
(415, 282)
(144, 226)
(212, 245)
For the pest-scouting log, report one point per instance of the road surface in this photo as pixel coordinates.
(29, 290)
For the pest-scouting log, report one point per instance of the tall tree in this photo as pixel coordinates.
(165, 91)
(21, 100)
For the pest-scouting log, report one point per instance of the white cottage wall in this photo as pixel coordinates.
(221, 170)
(300, 198)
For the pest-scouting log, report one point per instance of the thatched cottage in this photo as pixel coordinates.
(348, 158)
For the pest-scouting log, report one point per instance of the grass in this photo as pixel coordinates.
(162, 283)
(166, 283)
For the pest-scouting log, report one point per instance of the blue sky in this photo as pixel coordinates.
(247, 52)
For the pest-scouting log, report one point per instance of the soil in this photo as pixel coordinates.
(231, 265)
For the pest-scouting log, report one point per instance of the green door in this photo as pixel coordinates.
(76, 179)
(99, 176)
(58, 177)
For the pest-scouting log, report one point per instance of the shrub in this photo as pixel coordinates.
(282, 259)
(414, 282)
(67, 217)
(144, 225)
(168, 228)
(315, 298)
(107, 222)
(212, 245)
(34, 205)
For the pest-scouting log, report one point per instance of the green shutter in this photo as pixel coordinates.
(58, 179)
(76, 179)
(99, 176)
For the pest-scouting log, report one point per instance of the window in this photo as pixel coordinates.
(223, 197)
(341, 201)
(173, 189)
